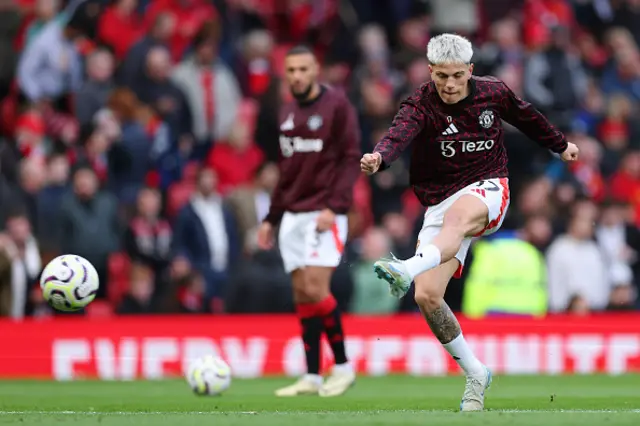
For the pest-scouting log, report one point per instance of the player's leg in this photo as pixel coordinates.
(468, 213)
(318, 280)
(324, 252)
(468, 216)
(291, 241)
(430, 287)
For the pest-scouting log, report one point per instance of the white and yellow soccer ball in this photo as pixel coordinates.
(209, 375)
(69, 283)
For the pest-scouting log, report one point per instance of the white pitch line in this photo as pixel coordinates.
(206, 413)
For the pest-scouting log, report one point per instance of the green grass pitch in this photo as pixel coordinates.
(394, 400)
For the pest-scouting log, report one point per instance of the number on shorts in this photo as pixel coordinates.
(493, 186)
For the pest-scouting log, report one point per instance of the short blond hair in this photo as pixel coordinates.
(449, 49)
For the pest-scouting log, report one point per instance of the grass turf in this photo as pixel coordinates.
(394, 400)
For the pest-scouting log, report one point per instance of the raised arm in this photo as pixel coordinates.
(406, 125)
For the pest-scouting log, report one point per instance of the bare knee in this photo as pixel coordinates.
(428, 300)
(311, 287)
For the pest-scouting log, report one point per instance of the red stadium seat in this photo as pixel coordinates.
(177, 196)
(99, 309)
(119, 270)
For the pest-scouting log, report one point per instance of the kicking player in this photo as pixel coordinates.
(459, 173)
(319, 145)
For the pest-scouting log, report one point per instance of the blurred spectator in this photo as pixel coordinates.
(130, 155)
(623, 73)
(50, 67)
(50, 199)
(138, 299)
(11, 19)
(519, 285)
(503, 50)
(625, 183)
(89, 225)
(148, 237)
(94, 93)
(159, 92)
(6, 295)
(132, 68)
(577, 267)
(255, 70)
(371, 295)
(25, 261)
(211, 89)
(187, 295)
(554, 79)
(206, 235)
(92, 151)
(30, 135)
(190, 14)
(616, 132)
(32, 179)
(120, 26)
(45, 11)
(613, 236)
(459, 16)
(400, 231)
(250, 205)
(235, 160)
(413, 35)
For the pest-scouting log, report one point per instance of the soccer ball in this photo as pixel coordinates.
(209, 375)
(69, 283)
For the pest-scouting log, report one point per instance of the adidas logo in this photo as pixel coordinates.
(450, 130)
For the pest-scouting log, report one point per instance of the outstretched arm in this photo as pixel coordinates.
(406, 125)
(526, 118)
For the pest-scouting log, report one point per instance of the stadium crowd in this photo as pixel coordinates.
(143, 135)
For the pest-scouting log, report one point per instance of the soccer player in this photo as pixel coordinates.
(319, 145)
(459, 173)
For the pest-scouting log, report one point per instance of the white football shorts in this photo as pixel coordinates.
(493, 192)
(302, 245)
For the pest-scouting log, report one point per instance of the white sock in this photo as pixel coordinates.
(345, 368)
(466, 359)
(314, 378)
(422, 262)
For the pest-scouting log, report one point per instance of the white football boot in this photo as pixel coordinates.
(338, 383)
(473, 397)
(305, 385)
(395, 273)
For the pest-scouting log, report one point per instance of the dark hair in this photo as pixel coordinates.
(209, 32)
(17, 212)
(300, 49)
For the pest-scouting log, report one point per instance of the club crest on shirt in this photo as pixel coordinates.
(314, 122)
(486, 118)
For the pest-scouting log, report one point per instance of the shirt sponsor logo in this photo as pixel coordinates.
(450, 148)
(291, 145)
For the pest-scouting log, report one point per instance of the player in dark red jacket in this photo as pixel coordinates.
(319, 146)
(459, 173)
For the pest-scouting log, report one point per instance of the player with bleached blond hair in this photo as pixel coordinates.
(459, 174)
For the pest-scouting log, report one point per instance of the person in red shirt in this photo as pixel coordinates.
(236, 161)
(120, 27)
(625, 183)
(189, 16)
